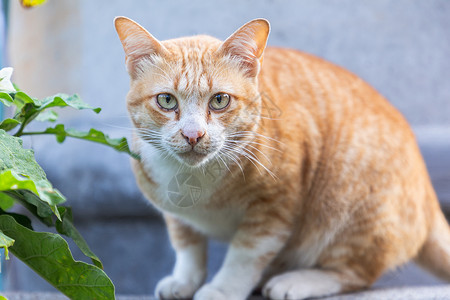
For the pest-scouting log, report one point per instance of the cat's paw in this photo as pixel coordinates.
(283, 287)
(173, 288)
(209, 292)
(299, 285)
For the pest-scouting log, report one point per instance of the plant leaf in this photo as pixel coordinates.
(27, 108)
(6, 99)
(67, 228)
(5, 243)
(6, 202)
(18, 166)
(21, 100)
(93, 135)
(9, 180)
(47, 116)
(40, 209)
(64, 100)
(48, 255)
(9, 124)
(21, 219)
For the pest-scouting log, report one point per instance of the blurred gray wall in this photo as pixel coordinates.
(401, 47)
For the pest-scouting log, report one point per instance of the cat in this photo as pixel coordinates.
(319, 199)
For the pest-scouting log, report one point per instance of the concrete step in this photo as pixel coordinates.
(394, 293)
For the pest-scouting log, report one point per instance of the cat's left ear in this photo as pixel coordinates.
(247, 44)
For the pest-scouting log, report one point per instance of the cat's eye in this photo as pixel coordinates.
(167, 101)
(219, 101)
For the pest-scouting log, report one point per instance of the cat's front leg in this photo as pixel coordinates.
(256, 243)
(189, 272)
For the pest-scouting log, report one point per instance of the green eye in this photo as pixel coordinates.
(167, 101)
(219, 101)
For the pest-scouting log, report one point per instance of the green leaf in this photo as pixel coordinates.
(21, 98)
(19, 167)
(6, 99)
(93, 135)
(40, 209)
(6, 202)
(47, 116)
(9, 124)
(5, 243)
(9, 180)
(48, 255)
(27, 108)
(24, 105)
(67, 228)
(21, 219)
(64, 100)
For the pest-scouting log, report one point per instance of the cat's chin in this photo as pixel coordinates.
(192, 158)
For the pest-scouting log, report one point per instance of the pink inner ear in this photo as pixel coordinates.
(140, 43)
(244, 50)
(243, 45)
(247, 44)
(137, 43)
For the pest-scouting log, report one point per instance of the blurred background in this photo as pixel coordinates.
(401, 47)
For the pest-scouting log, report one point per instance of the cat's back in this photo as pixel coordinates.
(296, 82)
(335, 118)
(285, 67)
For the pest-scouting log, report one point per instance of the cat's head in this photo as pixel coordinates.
(194, 98)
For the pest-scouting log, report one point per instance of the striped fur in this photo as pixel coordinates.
(321, 186)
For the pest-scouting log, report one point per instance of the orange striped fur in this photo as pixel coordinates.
(321, 186)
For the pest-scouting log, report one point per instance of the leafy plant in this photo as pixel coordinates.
(23, 182)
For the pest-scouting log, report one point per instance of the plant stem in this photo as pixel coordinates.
(20, 131)
(25, 123)
(32, 133)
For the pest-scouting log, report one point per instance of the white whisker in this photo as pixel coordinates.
(230, 155)
(224, 163)
(249, 155)
(262, 153)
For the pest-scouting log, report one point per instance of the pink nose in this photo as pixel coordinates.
(192, 137)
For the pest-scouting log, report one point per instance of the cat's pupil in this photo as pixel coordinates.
(168, 99)
(219, 98)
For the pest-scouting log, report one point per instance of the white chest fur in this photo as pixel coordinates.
(187, 192)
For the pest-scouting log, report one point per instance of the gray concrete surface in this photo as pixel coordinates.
(396, 293)
(399, 46)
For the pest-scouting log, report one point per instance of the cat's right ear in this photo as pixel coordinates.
(137, 43)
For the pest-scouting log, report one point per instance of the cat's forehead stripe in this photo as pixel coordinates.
(193, 77)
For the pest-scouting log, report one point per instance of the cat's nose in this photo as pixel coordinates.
(193, 137)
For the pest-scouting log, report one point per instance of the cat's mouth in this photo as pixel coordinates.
(192, 157)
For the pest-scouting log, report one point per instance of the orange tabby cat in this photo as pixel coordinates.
(320, 200)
